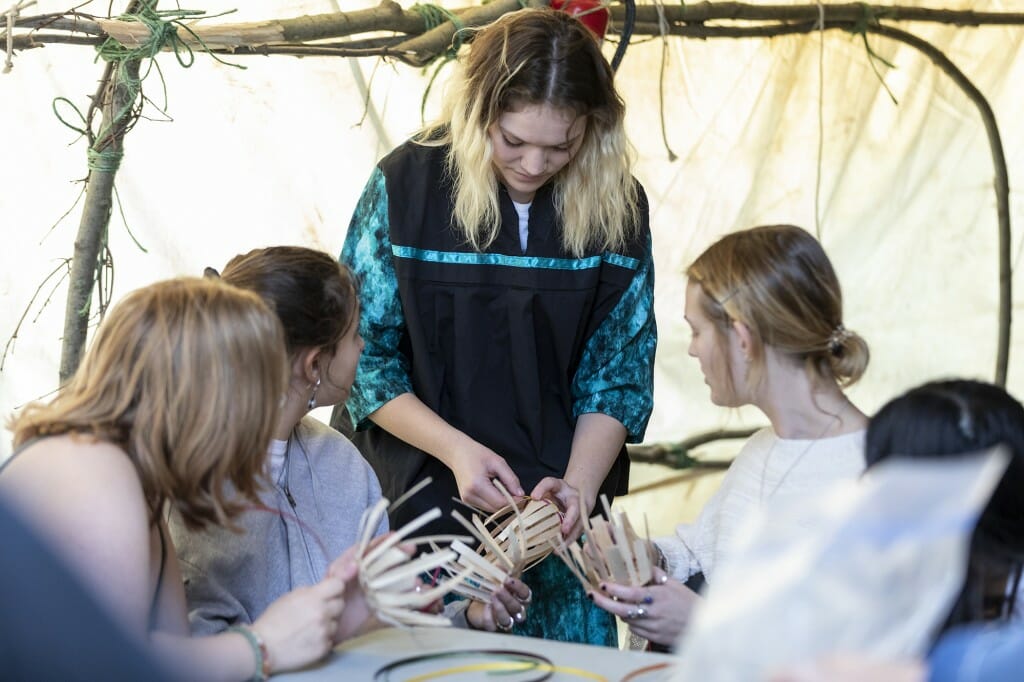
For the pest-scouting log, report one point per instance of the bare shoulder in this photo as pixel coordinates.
(66, 459)
(85, 499)
(59, 478)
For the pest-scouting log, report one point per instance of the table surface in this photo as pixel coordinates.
(361, 658)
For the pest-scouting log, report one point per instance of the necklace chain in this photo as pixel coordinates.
(789, 469)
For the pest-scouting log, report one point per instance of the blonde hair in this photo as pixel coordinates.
(186, 377)
(777, 281)
(539, 57)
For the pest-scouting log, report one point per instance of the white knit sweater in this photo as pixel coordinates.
(768, 470)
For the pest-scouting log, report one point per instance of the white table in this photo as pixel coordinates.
(359, 659)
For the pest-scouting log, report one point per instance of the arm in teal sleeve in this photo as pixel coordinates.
(616, 373)
(383, 372)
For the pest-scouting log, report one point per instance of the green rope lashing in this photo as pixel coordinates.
(434, 16)
(870, 18)
(163, 28)
(105, 160)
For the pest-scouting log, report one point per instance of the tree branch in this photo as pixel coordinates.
(677, 455)
(299, 35)
(851, 12)
(119, 87)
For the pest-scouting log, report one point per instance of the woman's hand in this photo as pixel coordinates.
(569, 498)
(357, 617)
(658, 612)
(299, 627)
(475, 468)
(506, 608)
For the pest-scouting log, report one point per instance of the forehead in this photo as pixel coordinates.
(694, 293)
(541, 124)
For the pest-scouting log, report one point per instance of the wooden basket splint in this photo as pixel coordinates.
(612, 551)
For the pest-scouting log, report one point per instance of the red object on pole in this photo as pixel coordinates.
(591, 13)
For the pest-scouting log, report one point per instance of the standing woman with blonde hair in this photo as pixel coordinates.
(507, 286)
(766, 314)
(174, 403)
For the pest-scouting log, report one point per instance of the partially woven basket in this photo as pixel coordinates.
(611, 551)
(511, 540)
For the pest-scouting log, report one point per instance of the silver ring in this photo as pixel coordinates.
(527, 599)
(520, 616)
(506, 628)
(641, 612)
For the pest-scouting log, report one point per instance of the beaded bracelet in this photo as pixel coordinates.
(259, 651)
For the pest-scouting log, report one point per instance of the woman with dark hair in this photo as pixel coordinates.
(505, 255)
(983, 636)
(950, 418)
(318, 485)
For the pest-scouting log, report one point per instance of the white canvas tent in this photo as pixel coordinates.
(791, 129)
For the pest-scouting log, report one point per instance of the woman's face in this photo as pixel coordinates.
(341, 371)
(533, 144)
(706, 344)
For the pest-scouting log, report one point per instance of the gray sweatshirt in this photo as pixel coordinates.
(312, 515)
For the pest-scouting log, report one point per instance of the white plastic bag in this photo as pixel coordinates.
(877, 575)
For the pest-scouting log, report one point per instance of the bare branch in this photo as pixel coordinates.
(63, 267)
(677, 455)
(853, 12)
(415, 45)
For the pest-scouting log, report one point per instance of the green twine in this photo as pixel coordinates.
(870, 18)
(433, 16)
(163, 28)
(56, 112)
(430, 84)
(104, 160)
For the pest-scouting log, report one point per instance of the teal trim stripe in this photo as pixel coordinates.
(461, 258)
(622, 261)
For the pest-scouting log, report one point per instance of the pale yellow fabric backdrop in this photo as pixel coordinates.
(278, 153)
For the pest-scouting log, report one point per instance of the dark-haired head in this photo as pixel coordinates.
(950, 418)
(314, 295)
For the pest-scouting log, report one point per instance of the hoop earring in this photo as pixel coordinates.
(312, 398)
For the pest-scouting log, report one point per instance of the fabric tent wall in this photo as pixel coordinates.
(278, 153)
